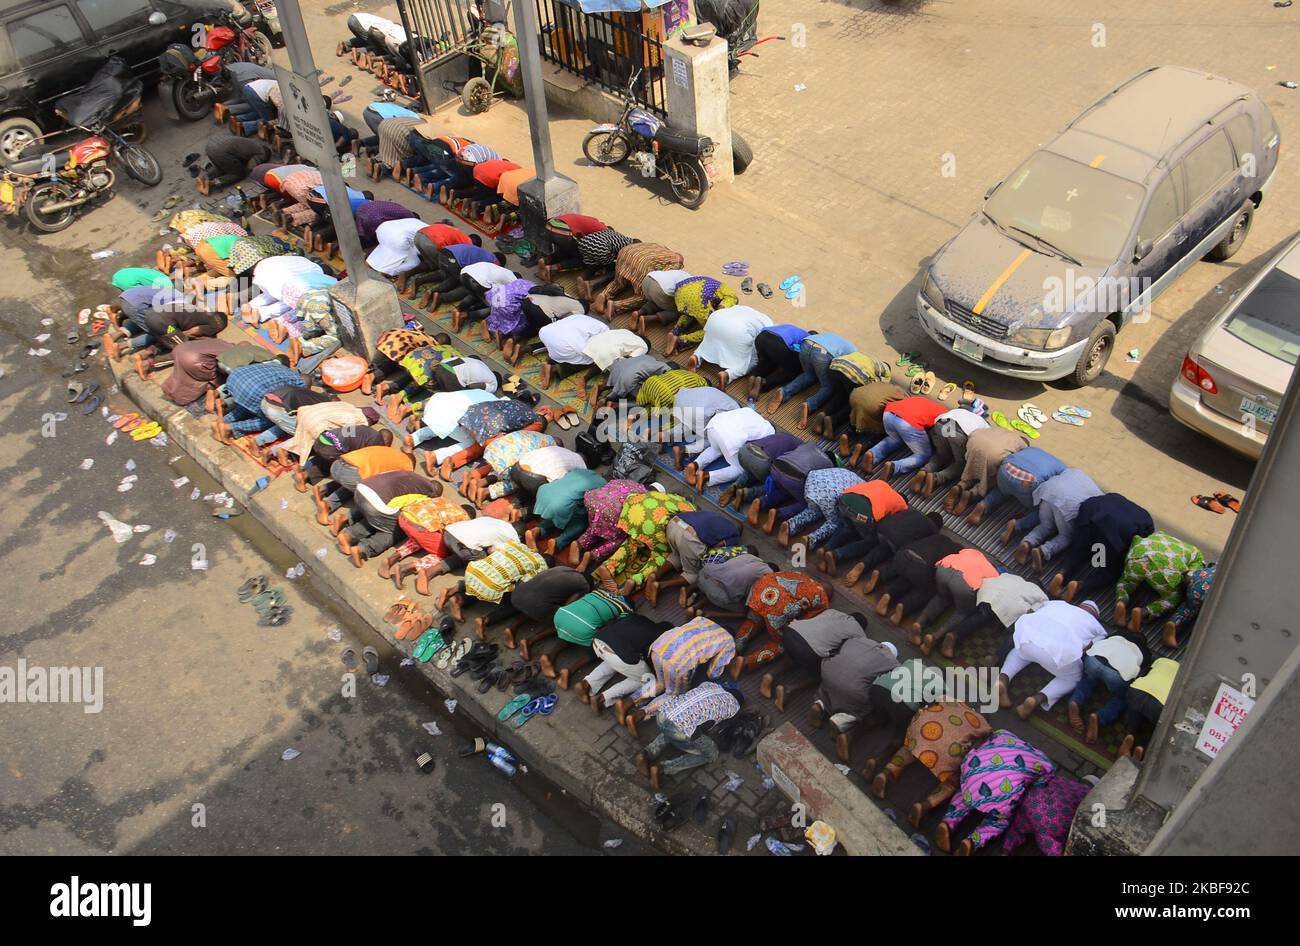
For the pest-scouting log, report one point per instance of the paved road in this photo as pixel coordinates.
(198, 702)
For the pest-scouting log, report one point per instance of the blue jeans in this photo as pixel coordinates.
(283, 424)
(696, 750)
(815, 365)
(258, 111)
(1098, 671)
(899, 433)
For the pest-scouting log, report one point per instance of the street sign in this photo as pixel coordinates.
(305, 110)
(1227, 713)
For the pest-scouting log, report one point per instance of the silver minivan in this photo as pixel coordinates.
(1077, 242)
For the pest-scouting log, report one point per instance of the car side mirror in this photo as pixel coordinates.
(157, 18)
(989, 193)
(1141, 251)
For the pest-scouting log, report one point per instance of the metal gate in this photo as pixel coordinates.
(603, 48)
(436, 30)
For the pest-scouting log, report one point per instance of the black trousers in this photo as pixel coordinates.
(777, 363)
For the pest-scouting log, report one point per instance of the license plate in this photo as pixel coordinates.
(710, 170)
(971, 350)
(1259, 410)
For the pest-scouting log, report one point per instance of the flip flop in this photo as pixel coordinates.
(76, 392)
(514, 706)
(528, 712)
(1076, 411)
(340, 99)
(747, 286)
(123, 419)
(1074, 420)
(147, 432)
(253, 586)
(1229, 500)
(349, 657)
(73, 336)
(928, 381)
(764, 290)
(795, 291)
(548, 703)
(946, 391)
(92, 405)
(430, 643)
(1028, 417)
(371, 658)
(916, 368)
(76, 368)
(906, 358)
(342, 82)
(1210, 503)
(276, 618)
(918, 380)
(1026, 429)
(1000, 419)
(790, 282)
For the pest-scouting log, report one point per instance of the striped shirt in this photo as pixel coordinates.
(600, 249)
(707, 703)
(578, 622)
(678, 652)
(249, 384)
(490, 577)
(660, 390)
(861, 368)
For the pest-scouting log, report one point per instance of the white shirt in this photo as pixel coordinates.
(270, 274)
(444, 409)
(729, 339)
(472, 371)
(1123, 655)
(396, 251)
(555, 307)
(608, 347)
(966, 421)
(262, 88)
(552, 462)
(488, 274)
(669, 278)
(566, 339)
(1056, 635)
(482, 533)
(728, 431)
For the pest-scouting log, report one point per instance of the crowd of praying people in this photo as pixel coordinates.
(566, 547)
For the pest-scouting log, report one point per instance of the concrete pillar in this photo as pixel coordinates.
(698, 92)
(550, 193)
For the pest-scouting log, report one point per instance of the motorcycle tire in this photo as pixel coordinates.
(606, 148)
(259, 49)
(47, 223)
(689, 181)
(742, 156)
(141, 165)
(192, 102)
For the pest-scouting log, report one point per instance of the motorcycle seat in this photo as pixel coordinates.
(683, 141)
(31, 166)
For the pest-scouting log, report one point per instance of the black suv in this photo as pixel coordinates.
(50, 47)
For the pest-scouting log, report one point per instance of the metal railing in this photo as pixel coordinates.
(604, 48)
(434, 27)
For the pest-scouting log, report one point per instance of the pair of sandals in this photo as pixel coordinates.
(1218, 503)
(272, 611)
(923, 380)
(736, 268)
(739, 735)
(677, 809)
(568, 420)
(85, 395)
(792, 286)
(522, 708)
(1017, 424)
(368, 654)
(1072, 415)
(411, 619)
(481, 655)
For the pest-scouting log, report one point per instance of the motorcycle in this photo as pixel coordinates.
(684, 160)
(192, 77)
(52, 186)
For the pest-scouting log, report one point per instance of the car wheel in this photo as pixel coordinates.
(1230, 244)
(16, 135)
(1095, 355)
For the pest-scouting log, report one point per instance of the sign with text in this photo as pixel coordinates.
(1227, 712)
(305, 110)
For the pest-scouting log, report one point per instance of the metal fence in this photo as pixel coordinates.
(604, 48)
(435, 28)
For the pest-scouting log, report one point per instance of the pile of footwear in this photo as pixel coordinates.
(272, 611)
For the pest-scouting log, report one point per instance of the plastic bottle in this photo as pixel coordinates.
(502, 761)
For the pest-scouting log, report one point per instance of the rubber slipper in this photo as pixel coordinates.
(548, 703)
(742, 263)
(398, 609)
(349, 657)
(75, 391)
(76, 368)
(371, 658)
(514, 706)
(790, 282)
(1029, 418)
(87, 351)
(276, 618)
(946, 391)
(254, 585)
(795, 291)
(430, 643)
(123, 419)
(1076, 411)
(1229, 500)
(1074, 420)
(928, 381)
(747, 286)
(916, 368)
(764, 290)
(1210, 503)
(342, 82)
(147, 432)
(267, 600)
(1026, 429)
(905, 359)
(92, 405)
(73, 336)
(1033, 412)
(340, 99)
(528, 712)
(1000, 419)
(918, 380)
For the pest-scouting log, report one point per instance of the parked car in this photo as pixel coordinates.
(1166, 169)
(49, 48)
(1237, 371)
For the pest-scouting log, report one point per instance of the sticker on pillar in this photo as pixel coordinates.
(348, 165)
(679, 73)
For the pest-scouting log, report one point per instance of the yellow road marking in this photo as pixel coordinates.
(991, 291)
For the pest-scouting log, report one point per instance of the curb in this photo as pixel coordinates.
(562, 754)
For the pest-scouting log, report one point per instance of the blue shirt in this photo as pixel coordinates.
(792, 335)
(467, 254)
(249, 384)
(389, 110)
(835, 344)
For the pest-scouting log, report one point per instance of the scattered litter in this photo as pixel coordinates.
(379, 679)
(103, 254)
(175, 458)
(778, 848)
(87, 463)
(753, 842)
(322, 552)
(121, 530)
(149, 559)
(768, 783)
(1289, 84)
(613, 843)
(125, 486)
(296, 571)
(47, 322)
(110, 439)
(169, 536)
(333, 633)
(130, 465)
(160, 441)
(195, 493)
(844, 769)
(800, 87)
(284, 504)
(141, 528)
(1134, 356)
(38, 352)
(44, 336)
(288, 755)
(407, 662)
(1219, 289)
(451, 705)
(431, 728)
(180, 481)
(733, 782)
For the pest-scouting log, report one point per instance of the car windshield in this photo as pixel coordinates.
(1082, 211)
(1269, 318)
